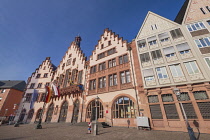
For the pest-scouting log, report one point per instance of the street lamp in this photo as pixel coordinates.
(95, 132)
(189, 129)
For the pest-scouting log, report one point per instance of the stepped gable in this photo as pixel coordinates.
(51, 67)
(107, 35)
(73, 48)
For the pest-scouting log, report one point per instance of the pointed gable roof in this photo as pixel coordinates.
(153, 19)
(191, 11)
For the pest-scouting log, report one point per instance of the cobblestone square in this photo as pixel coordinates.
(66, 131)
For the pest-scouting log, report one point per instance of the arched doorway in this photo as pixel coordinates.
(49, 113)
(38, 115)
(22, 115)
(123, 107)
(63, 112)
(91, 110)
(75, 112)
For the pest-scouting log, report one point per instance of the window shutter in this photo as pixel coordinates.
(151, 38)
(163, 36)
(182, 47)
(148, 72)
(168, 50)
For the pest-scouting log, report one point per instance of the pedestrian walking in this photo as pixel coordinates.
(89, 127)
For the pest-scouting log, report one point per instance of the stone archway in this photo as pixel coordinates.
(49, 113)
(75, 112)
(63, 112)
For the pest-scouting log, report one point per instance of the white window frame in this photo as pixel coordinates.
(206, 61)
(176, 70)
(191, 67)
(195, 26)
(162, 71)
(199, 43)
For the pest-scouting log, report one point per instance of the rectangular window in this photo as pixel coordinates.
(156, 54)
(38, 75)
(192, 67)
(176, 70)
(153, 99)
(169, 51)
(148, 74)
(43, 97)
(123, 59)
(183, 48)
(125, 77)
(208, 8)
(204, 109)
(200, 95)
(92, 69)
(45, 75)
(111, 51)
(207, 60)
(3, 90)
(80, 77)
(208, 22)
(144, 57)
(92, 84)
(68, 62)
(47, 84)
(171, 112)
(163, 37)
(177, 33)
(141, 43)
(113, 80)
(101, 55)
(32, 85)
(102, 82)
(189, 110)
(161, 72)
(203, 11)
(102, 66)
(39, 85)
(195, 26)
(152, 40)
(154, 27)
(167, 98)
(28, 97)
(66, 78)
(156, 111)
(112, 63)
(203, 42)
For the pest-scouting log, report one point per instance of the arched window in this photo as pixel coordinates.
(123, 107)
(30, 114)
(91, 109)
(50, 113)
(63, 112)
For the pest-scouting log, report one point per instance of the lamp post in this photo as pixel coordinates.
(95, 132)
(189, 129)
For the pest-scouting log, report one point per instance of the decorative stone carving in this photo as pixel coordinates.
(164, 81)
(166, 43)
(158, 61)
(172, 58)
(153, 46)
(127, 85)
(179, 79)
(198, 76)
(143, 49)
(186, 55)
(179, 39)
(151, 83)
(112, 88)
(100, 90)
(112, 69)
(146, 64)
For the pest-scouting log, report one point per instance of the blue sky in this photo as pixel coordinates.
(31, 30)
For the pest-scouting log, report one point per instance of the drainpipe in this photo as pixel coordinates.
(134, 81)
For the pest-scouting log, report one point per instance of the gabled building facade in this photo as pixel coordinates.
(36, 83)
(70, 78)
(110, 77)
(172, 57)
(11, 93)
